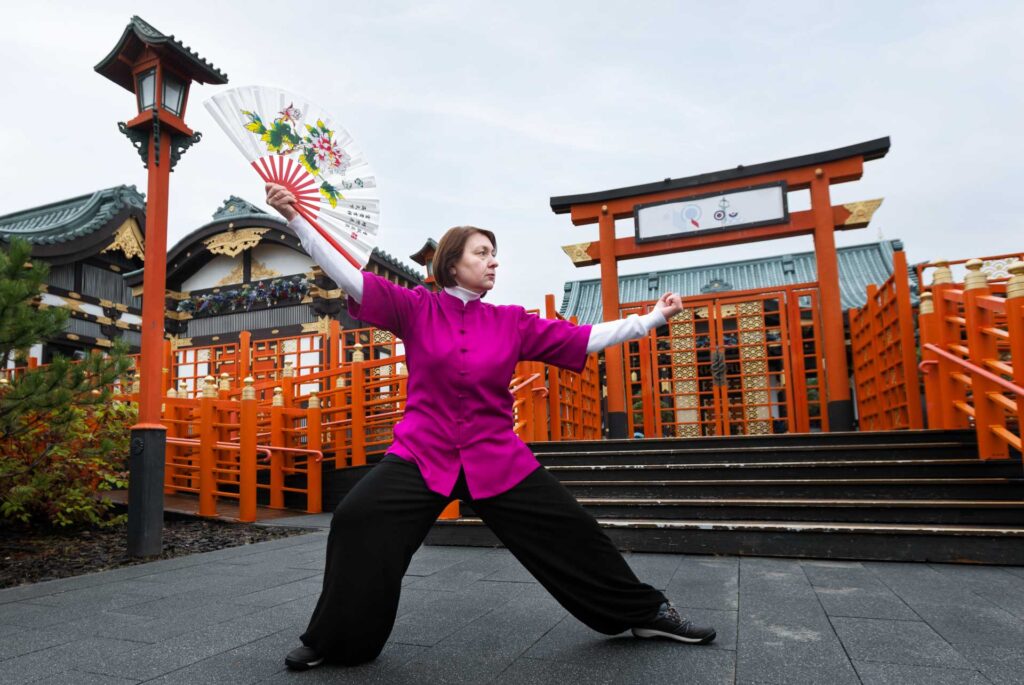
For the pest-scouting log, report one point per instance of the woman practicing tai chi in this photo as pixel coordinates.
(455, 441)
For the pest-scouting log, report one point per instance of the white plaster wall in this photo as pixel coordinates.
(281, 259)
(211, 274)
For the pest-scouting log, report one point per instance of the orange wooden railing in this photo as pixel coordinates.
(312, 403)
(972, 344)
(995, 266)
(574, 399)
(885, 355)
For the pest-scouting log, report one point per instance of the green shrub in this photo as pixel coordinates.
(55, 471)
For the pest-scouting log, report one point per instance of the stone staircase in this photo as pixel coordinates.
(900, 495)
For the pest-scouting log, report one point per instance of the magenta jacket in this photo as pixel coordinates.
(461, 358)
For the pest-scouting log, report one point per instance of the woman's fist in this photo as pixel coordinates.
(669, 305)
(281, 199)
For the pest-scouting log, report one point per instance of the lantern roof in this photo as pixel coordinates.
(139, 35)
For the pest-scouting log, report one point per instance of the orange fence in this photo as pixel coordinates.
(314, 403)
(885, 355)
(574, 400)
(972, 344)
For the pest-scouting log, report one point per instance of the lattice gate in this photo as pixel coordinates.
(746, 364)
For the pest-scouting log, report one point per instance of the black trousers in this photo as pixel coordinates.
(381, 523)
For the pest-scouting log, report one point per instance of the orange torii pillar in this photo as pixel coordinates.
(813, 172)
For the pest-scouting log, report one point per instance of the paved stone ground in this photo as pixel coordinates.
(475, 616)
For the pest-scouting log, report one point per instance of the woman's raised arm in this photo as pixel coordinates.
(348, 278)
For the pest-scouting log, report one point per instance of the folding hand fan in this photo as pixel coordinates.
(292, 142)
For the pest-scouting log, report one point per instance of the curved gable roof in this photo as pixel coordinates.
(71, 228)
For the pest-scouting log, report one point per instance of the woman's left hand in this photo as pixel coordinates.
(669, 305)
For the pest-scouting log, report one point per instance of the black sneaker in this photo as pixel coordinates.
(303, 658)
(669, 624)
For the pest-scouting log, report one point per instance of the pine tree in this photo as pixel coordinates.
(62, 440)
(44, 393)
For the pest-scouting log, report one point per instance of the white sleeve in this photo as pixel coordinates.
(341, 271)
(608, 333)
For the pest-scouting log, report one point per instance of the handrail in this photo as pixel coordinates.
(976, 342)
(1011, 387)
(526, 382)
(219, 444)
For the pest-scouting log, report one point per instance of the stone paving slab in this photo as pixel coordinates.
(474, 615)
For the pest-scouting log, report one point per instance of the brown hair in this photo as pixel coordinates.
(449, 251)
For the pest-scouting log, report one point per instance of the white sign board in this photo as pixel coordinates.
(732, 209)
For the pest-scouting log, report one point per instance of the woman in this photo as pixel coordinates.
(455, 441)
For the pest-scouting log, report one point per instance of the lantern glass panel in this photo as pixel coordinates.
(145, 89)
(174, 94)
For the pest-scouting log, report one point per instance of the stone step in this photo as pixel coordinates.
(807, 539)
(951, 512)
(841, 452)
(816, 488)
(660, 469)
(964, 438)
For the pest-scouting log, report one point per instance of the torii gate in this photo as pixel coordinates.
(670, 216)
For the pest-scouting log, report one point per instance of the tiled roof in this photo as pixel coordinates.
(859, 266)
(70, 219)
(382, 256)
(235, 207)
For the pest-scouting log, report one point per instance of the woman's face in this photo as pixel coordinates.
(475, 270)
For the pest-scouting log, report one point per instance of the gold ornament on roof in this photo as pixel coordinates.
(128, 239)
(578, 252)
(258, 271)
(234, 243)
(861, 212)
(321, 325)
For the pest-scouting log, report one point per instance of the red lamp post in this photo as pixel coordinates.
(158, 70)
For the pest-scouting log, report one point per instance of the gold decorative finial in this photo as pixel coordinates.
(927, 306)
(289, 370)
(1015, 286)
(278, 400)
(942, 274)
(225, 381)
(248, 391)
(314, 401)
(209, 387)
(975, 277)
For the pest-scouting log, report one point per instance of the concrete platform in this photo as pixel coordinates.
(472, 615)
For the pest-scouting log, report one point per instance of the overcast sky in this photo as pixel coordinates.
(479, 112)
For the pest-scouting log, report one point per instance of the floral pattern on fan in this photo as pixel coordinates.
(317, 152)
